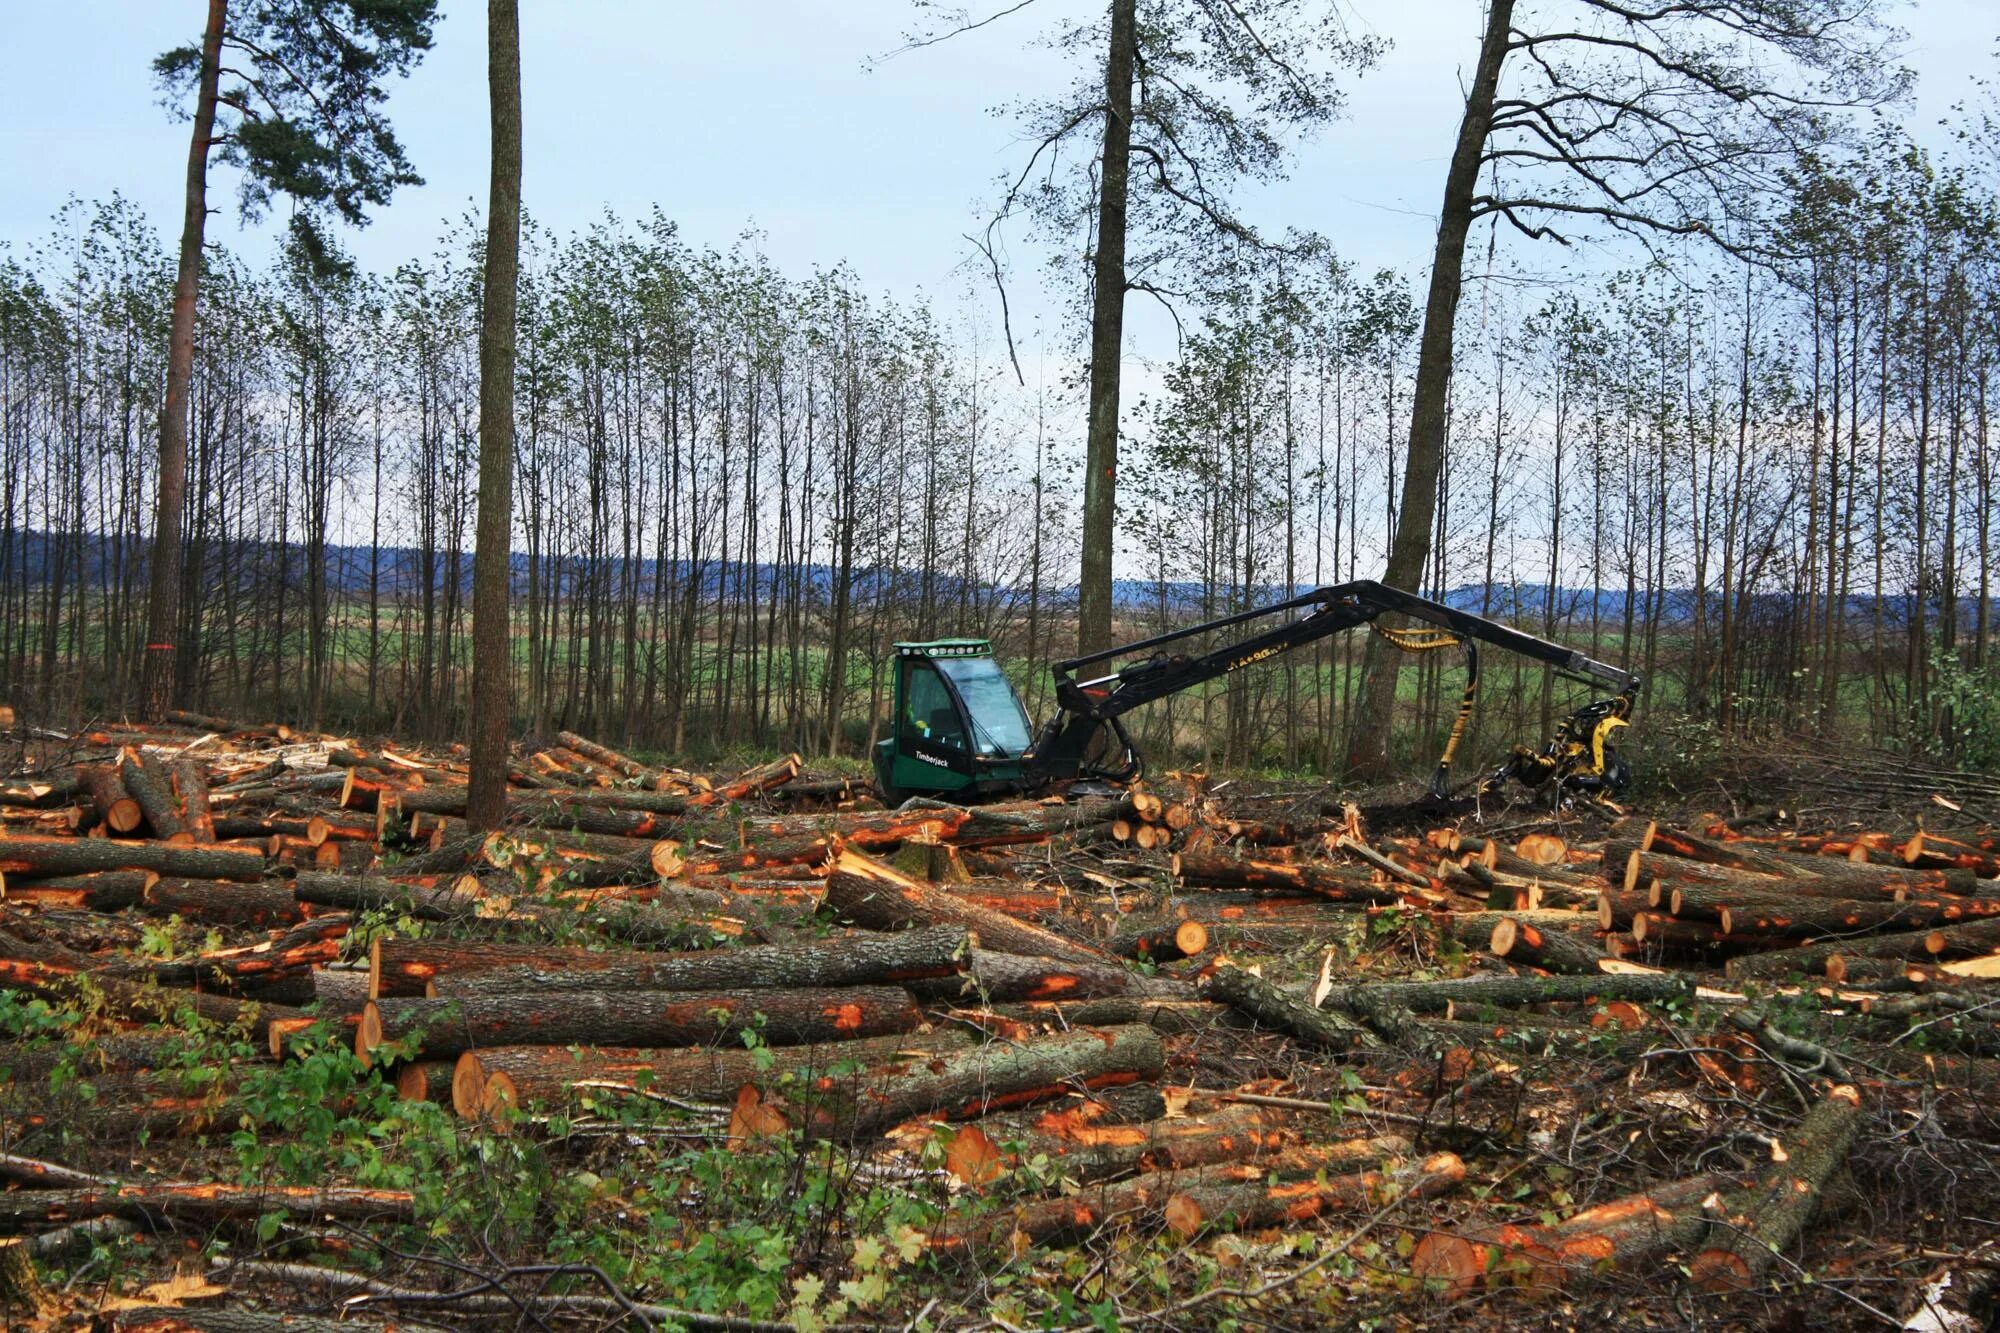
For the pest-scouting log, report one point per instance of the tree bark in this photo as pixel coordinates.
(489, 1080)
(225, 903)
(1553, 950)
(1430, 407)
(163, 607)
(888, 959)
(635, 1018)
(492, 636)
(99, 891)
(1107, 336)
(1272, 1008)
(1349, 884)
(1434, 996)
(34, 857)
(1774, 1216)
(871, 895)
(994, 1076)
(149, 786)
(203, 1202)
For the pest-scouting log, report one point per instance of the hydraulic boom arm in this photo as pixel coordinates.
(1087, 706)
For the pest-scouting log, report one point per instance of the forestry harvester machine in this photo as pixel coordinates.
(960, 732)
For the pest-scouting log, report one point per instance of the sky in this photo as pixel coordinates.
(779, 116)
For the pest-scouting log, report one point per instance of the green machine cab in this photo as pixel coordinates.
(959, 728)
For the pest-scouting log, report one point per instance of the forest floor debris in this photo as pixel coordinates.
(284, 1040)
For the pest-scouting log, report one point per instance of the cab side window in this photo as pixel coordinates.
(928, 710)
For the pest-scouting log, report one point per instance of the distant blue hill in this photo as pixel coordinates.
(91, 557)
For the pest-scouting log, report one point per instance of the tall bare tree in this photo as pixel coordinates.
(492, 630)
(1184, 99)
(1661, 117)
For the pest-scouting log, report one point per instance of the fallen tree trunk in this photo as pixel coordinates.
(1336, 883)
(434, 898)
(1613, 1235)
(994, 1076)
(34, 858)
(206, 1202)
(997, 978)
(1430, 997)
(865, 830)
(225, 902)
(1230, 1196)
(867, 893)
(147, 780)
(1258, 999)
(1552, 950)
(98, 891)
(492, 1080)
(191, 786)
(1763, 1225)
(1159, 942)
(897, 958)
(443, 1028)
(115, 808)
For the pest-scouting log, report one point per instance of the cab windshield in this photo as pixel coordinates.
(999, 726)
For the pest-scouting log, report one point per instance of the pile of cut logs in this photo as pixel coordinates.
(1153, 990)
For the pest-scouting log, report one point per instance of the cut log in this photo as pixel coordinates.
(191, 786)
(430, 898)
(898, 958)
(443, 1028)
(605, 756)
(35, 858)
(1227, 1195)
(1730, 855)
(1336, 883)
(1164, 1016)
(23, 1302)
(115, 808)
(225, 902)
(1229, 1201)
(1765, 1225)
(759, 779)
(1618, 908)
(1474, 930)
(99, 891)
(1614, 1235)
(865, 830)
(1430, 997)
(995, 1076)
(489, 1082)
(1565, 951)
(1088, 1146)
(998, 978)
(147, 780)
(869, 894)
(1159, 942)
(1258, 999)
(206, 1202)
(126, 1105)
(1542, 849)
(1809, 960)
(1846, 916)
(426, 1081)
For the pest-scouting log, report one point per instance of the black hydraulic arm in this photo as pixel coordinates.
(1086, 704)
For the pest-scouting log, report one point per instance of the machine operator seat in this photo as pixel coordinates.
(946, 728)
